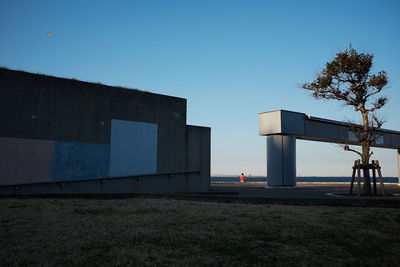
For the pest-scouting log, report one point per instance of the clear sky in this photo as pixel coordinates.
(229, 59)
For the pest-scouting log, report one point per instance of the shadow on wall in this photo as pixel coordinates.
(133, 151)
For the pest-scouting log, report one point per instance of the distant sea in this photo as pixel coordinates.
(302, 179)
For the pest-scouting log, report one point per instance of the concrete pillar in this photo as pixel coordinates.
(398, 164)
(281, 160)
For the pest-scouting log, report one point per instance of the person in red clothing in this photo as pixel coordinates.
(242, 178)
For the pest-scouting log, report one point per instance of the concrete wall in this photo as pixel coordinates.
(198, 153)
(25, 160)
(54, 129)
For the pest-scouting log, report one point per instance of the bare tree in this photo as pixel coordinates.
(347, 78)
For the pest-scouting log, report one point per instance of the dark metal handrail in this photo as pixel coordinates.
(138, 177)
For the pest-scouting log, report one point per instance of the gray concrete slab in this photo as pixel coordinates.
(302, 126)
(302, 190)
(256, 193)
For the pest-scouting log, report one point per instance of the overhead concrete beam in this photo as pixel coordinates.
(283, 127)
(305, 127)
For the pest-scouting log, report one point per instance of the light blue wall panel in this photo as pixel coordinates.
(80, 161)
(133, 148)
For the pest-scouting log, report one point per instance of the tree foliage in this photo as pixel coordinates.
(347, 78)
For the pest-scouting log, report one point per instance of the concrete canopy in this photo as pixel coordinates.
(283, 127)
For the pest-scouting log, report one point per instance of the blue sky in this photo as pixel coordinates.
(229, 59)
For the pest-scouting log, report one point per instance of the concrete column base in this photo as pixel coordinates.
(281, 161)
(398, 165)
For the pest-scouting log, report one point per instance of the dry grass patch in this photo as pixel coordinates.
(149, 232)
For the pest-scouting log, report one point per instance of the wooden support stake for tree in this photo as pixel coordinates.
(352, 177)
(358, 176)
(364, 176)
(375, 167)
(374, 175)
(380, 177)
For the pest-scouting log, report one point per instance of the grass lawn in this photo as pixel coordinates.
(148, 232)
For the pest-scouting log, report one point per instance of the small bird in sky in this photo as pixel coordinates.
(109, 46)
(49, 34)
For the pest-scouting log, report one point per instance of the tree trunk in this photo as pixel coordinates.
(365, 144)
(367, 181)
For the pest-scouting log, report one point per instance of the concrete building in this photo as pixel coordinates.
(283, 127)
(55, 130)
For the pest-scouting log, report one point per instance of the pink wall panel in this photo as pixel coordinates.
(25, 160)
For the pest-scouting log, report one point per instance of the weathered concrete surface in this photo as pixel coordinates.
(281, 160)
(49, 108)
(198, 153)
(76, 117)
(25, 160)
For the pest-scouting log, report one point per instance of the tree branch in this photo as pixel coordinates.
(347, 148)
